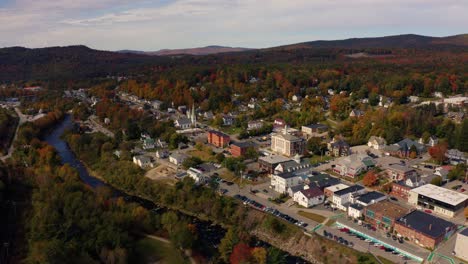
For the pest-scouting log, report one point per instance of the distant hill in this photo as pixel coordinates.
(79, 62)
(192, 51)
(398, 41)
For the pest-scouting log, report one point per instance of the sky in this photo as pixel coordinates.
(151, 25)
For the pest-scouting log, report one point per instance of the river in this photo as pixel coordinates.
(209, 234)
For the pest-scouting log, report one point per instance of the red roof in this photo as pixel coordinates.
(312, 192)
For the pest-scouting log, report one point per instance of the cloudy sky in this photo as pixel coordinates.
(156, 24)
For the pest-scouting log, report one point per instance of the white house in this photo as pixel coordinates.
(177, 158)
(355, 210)
(156, 104)
(310, 197)
(377, 142)
(281, 182)
(341, 199)
(228, 120)
(353, 165)
(197, 176)
(142, 161)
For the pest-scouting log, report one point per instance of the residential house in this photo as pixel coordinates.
(330, 190)
(279, 124)
(238, 149)
(142, 161)
(252, 105)
(461, 244)
(383, 215)
(286, 144)
(356, 113)
(320, 180)
(413, 99)
(280, 182)
(182, 109)
(457, 117)
(296, 98)
(161, 154)
(443, 171)
(342, 198)
(398, 172)
(377, 143)
(353, 165)
(456, 157)
(438, 199)
(197, 176)
(254, 125)
(161, 143)
(148, 143)
(315, 130)
(269, 163)
(218, 139)
(424, 229)
(177, 158)
(228, 120)
(402, 188)
(403, 148)
(156, 104)
(308, 198)
(369, 198)
(433, 140)
(208, 115)
(294, 189)
(338, 148)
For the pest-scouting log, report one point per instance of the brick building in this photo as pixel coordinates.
(384, 214)
(424, 229)
(238, 149)
(218, 139)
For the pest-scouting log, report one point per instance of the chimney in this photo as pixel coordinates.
(430, 226)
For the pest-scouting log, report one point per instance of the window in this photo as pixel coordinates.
(386, 220)
(370, 213)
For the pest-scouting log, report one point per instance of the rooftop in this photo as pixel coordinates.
(287, 137)
(272, 159)
(312, 192)
(356, 206)
(427, 224)
(350, 189)
(370, 196)
(243, 144)
(441, 194)
(316, 126)
(464, 232)
(337, 187)
(388, 209)
(218, 133)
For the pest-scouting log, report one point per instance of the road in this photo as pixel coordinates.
(22, 119)
(316, 227)
(97, 126)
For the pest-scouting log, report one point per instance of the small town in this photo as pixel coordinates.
(233, 132)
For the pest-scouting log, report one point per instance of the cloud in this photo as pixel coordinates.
(150, 25)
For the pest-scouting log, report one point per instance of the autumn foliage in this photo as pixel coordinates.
(370, 179)
(438, 151)
(241, 253)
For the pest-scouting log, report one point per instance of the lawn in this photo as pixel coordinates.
(316, 159)
(204, 154)
(149, 250)
(231, 130)
(312, 216)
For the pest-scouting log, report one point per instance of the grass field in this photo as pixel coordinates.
(316, 159)
(149, 250)
(312, 216)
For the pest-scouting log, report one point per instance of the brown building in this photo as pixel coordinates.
(398, 172)
(402, 188)
(384, 214)
(238, 149)
(218, 139)
(424, 229)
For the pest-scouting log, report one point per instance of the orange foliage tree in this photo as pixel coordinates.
(370, 179)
